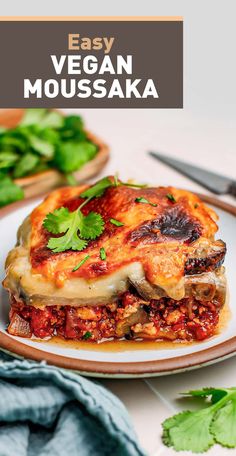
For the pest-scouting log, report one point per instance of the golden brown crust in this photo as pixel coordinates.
(162, 237)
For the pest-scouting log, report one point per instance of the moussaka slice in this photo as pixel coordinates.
(117, 260)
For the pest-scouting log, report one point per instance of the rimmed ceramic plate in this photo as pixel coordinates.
(128, 360)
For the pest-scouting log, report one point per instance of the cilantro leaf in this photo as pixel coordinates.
(77, 229)
(25, 165)
(189, 433)
(91, 226)
(41, 146)
(223, 426)
(198, 431)
(72, 155)
(9, 191)
(32, 116)
(98, 189)
(52, 119)
(214, 393)
(8, 159)
(69, 241)
(58, 221)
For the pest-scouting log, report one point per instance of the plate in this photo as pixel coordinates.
(128, 361)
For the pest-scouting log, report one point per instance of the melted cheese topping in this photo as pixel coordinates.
(153, 244)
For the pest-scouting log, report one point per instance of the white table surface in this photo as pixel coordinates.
(208, 143)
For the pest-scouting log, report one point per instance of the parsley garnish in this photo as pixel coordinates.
(87, 335)
(141, 199)
(171, 197)
(103, 253)
(196, 205)
(80, 263)
(198, 431)
(116, 222)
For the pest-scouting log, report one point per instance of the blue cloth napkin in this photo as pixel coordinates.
(49, 411)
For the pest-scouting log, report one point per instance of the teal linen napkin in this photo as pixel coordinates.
(49, 411)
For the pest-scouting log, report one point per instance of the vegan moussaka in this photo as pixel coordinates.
(117, 260)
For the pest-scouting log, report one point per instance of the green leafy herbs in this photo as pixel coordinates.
(9, 191)
(7, 159)
(197, 431)
(80, 263)
(98, 189)
(78, 229)
(25, 164)
(171, 197)
(103, 254)
(87, 335)
(141, 199)
(196, 205)
(116, 222)
(72, 155)
(45, 139)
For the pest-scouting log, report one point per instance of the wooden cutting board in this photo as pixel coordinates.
(47, 180)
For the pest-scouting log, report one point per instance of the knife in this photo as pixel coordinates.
(214, 182)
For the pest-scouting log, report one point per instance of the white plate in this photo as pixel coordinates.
(127, 362)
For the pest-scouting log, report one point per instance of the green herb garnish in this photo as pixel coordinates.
(196, 205)
(171, 197)
(103, 255)
(98, 189)
(87, 335)
(197, 431)
(71, 223)
(76, 228)
(116, 222)
(9, 191)
(80, 263)
(141, 199)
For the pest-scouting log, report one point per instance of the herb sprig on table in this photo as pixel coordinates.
(77, 229)
(197, 431)
(43, 140)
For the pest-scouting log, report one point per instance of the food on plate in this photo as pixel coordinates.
(43, 140)
(116, 260)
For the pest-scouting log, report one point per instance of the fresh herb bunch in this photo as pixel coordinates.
(197, 431)
(43, 140)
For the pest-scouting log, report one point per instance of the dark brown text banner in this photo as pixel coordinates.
(91, 64)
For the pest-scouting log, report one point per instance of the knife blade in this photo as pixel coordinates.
(214, 182)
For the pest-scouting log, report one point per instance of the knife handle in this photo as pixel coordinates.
(232, 188)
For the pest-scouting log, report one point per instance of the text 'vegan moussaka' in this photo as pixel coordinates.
(160, 274)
